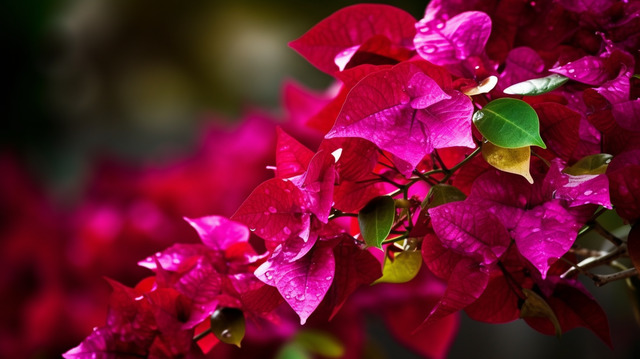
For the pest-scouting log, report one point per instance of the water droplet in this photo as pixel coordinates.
(268, 275)
(158, 254)
(534, 230)
(300, 297)
(440, 24)
(273, 209)
(266, 213)
(328, 277)
(425, 29)
(226, 334)
(588, 192)
(286, 230)
(429, 49)
(95, 329)
(286, 190)
(252, 229)
(571, 71)
(176, 260)
(139, 297)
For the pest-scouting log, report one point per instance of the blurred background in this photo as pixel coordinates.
(122, 116)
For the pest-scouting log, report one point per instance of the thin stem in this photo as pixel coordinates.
(337, 213)
(602, 279)
(400, 190)
(541, 158)
(439, 160)
(424, 176)
(203, 334)
(587, 252)
(453, 169)
(384, 179)
(606, 234)
(513, 285)
(591, 262)
(598, 213)
(396, 239)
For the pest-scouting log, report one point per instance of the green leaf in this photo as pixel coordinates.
(403, 268)
(441, 194)
(293, 351)
(535, 306)
(509, 123)
(590, 165)
(376, 219)
(228, 325)
(319, 342)
(537, 86)
(636, 76)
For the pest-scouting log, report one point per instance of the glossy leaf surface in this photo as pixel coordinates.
(509, 123)
(376, 219)
(537, 86)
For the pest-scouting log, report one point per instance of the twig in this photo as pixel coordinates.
(607, 235)
(595, 262)
(602, 279)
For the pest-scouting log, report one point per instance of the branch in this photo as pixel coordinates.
(592, 262)
(602, 279)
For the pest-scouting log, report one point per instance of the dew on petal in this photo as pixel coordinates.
(429, 49)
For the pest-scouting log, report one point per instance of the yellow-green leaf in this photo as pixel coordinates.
(293, 351)
(319, 342)
(512, 160)
(403, 268)
(590, 165)
(535, 306)
(441, 194)
(228, 325)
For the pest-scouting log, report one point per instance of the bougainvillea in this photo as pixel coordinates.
(464, 156)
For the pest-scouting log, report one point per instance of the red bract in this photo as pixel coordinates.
(331, 44)
(141, 324)
(494, 217)
(405, 112)
(624, 178)
(450, 43)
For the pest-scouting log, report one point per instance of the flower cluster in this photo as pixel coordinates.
(463, 155)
